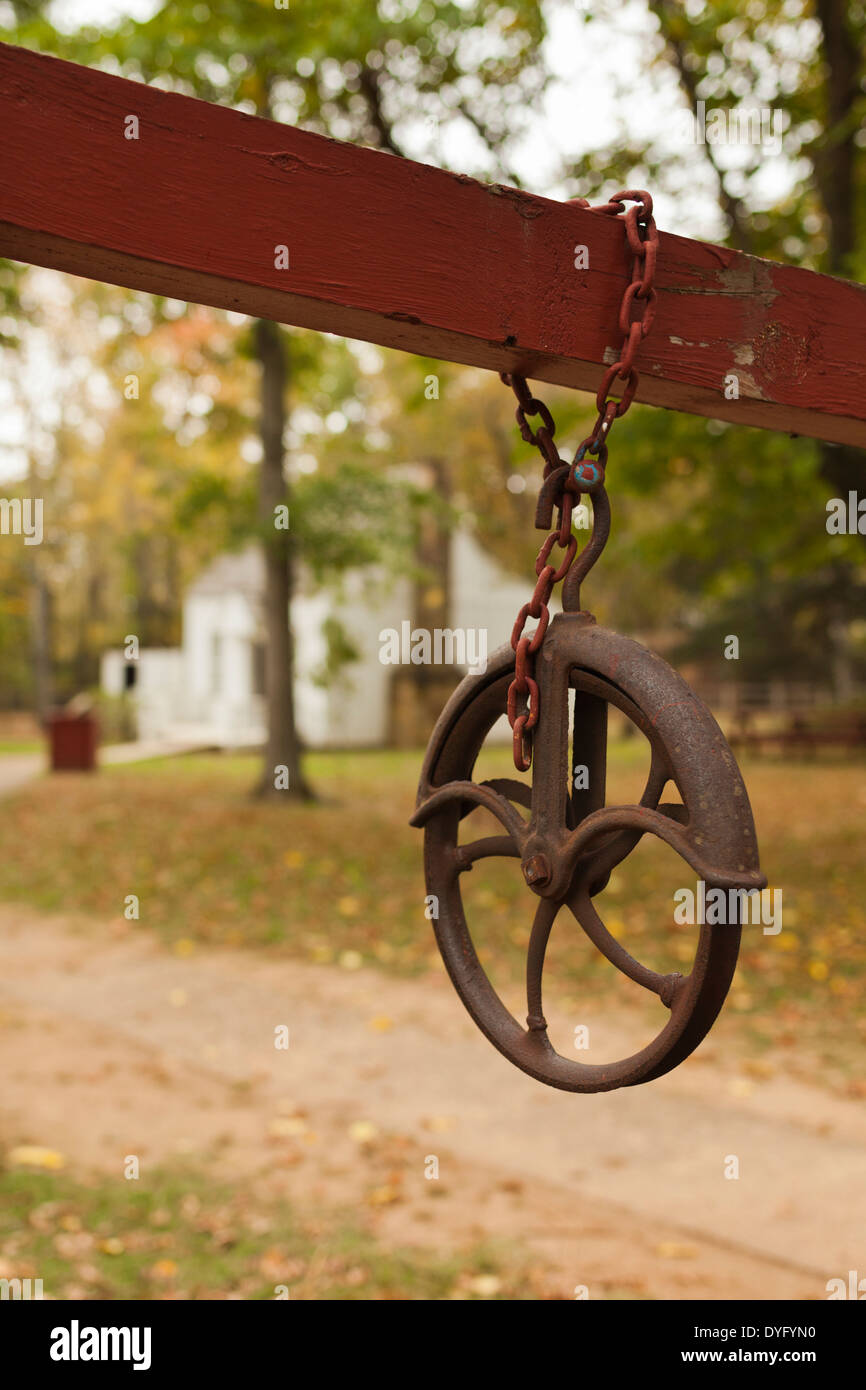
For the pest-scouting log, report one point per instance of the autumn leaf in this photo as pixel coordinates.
(32, 1156)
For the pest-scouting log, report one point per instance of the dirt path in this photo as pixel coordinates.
(16, 769)
(113, 1045)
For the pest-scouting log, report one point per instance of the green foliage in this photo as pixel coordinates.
(14, 636)
(355, 517)
(10, 302)
(716, 528)
(340, 652)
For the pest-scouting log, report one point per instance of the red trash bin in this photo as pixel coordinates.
(73, 736)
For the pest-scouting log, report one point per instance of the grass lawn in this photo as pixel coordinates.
(341, 882)
(183, 1236)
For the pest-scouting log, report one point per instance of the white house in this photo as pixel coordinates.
(211, 689)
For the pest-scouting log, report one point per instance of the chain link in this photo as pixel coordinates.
(580, 477)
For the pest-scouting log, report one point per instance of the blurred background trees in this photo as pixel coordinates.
(164, 433)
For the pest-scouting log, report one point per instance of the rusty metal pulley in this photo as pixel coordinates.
(570, 841)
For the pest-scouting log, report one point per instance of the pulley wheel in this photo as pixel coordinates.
(572, 840)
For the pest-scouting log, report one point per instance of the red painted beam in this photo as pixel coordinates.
(403, 254)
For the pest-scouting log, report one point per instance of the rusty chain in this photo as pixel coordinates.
(579, 477)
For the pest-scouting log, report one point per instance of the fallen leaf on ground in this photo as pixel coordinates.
(284, 1127)
(383, 1196)
(363, 1131)
(485, 1285)
(32, 1156)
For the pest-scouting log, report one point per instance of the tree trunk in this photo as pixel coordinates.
(282, 758)
(835, 175)
(40, 645)
(419, 692)
(40, 621)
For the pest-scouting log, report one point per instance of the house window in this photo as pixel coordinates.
(258, 668)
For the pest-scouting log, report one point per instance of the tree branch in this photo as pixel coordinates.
(732, 207)
(369, 84)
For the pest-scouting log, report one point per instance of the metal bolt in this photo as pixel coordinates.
(537, 869)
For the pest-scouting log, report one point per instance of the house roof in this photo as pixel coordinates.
(241, 571)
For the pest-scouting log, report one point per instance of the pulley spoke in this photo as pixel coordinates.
(633, 822)
(544, 918)
(657, 779)
(509, 787)
(494, 846)
(478, 795)
(582, 907)
(490, 847)
(619, 845)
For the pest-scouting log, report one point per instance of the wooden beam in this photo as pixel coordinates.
(403, 254)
